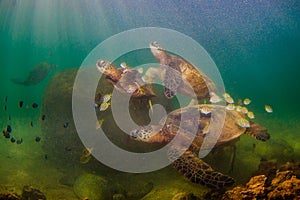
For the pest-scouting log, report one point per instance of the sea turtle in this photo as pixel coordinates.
(125, 79)
(189, 164)
(179, 75)
(36, 75)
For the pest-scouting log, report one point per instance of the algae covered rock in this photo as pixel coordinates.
(185, 196)
(92, 186)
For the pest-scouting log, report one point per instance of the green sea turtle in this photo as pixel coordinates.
(125, 79)
(179, 75)
(36, 75)
(189, 164)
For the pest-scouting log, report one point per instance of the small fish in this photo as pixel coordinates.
(214, 98)
(247, 101)
(244, 110)
(35, 105)
(106, 98)
(238, 108)
(38, 139)
(43, 117)
(86, 155)
(225, 95)
(21, 103)
(46, 156)
(20, 141)
(9, 118)
(31, 124)
(104, 106)
(205, 110)
(6, 134)
(268, 109)
(123, 65)
(8, 129)
(250, 115)
(5, 99)
(230, 106)
(12, 140)
(66, 125)
(229, 99)
(5, 107)
(206, 128)
(242, 122)
(99, 123)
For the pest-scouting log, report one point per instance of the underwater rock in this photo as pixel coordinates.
(30, 193)
(185, 196)
(92, 186)
(57, 106)
(284, 186)
(138, 190)
(291, 166)
(287, 187)
(9, 196)
(267, 168)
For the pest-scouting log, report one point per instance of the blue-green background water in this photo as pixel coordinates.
(255, 44)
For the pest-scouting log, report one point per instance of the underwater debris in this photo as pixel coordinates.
(35, 105)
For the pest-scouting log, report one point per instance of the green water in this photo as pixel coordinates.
(255, 45)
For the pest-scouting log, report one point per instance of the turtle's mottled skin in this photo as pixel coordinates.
(125, 80)
(179, 75)
(189, 163)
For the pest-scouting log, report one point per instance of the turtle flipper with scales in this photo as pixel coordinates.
(189, 164)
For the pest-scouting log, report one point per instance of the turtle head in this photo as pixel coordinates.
(149, 134)
(109, 70)
(157, 51)
(258, 132)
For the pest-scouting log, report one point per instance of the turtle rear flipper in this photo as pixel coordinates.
(197, 171)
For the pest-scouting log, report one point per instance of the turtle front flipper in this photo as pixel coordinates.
(197, 171)
(172, 79)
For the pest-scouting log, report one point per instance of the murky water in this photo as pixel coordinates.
(255, 46)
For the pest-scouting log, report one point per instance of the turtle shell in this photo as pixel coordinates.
(191, 120)
(181, 75)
